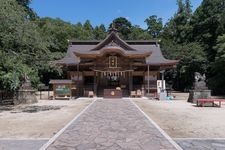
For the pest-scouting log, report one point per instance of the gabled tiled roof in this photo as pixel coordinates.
(69, 59)
(150, 48)
(61, 81)
(111, 39)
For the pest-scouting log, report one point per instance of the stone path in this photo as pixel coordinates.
(112, 125)
(201, 144)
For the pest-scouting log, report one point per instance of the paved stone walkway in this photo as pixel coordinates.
(201, 144)
(111, 125)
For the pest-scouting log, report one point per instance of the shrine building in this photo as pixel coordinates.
(112, 67)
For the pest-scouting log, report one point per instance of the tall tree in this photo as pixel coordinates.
(217, 80)
(25, 4)
(176, 44)
(138, 33)
(56, 32)
(178, 28)
(208, 23)
(100, 32)
(123, 26)
(155, 26)
(21, 45)
(87, 31)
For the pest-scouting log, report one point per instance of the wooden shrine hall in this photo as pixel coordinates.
(113, 67)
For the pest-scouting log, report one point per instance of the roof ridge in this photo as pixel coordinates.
(113, 37)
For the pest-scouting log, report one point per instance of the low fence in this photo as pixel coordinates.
(6, 97)
(42, 91)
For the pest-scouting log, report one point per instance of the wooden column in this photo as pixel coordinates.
(78, 88)
(70, 91)
(95, 83)
(131, 78)
(130, 82)
(148, 80)
(54, 91)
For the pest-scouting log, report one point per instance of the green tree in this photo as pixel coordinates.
(88, 31)
(100, 32)
(176, 44)
(78, 31)
(123, 26)
(138, 33)
(178, 28)
(155, 26)
(208, 23)
(56, 32)
(21, 46)
(217, 80)
(29, 11)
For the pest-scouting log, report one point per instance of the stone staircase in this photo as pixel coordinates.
(100, 92)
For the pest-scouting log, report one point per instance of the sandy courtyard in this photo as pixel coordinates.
(184, 120)
(177, 117)
(22, 122)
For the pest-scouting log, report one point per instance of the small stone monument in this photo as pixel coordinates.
(200, 89)
(26, 94)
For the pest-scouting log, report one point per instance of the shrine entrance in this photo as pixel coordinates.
(113, 81)
(114, 65)
(119, 80)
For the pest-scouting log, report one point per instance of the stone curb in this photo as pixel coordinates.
(23, 139)
(51, 140)
(157, 127)
(200, 139)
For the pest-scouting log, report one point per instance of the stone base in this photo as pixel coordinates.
(26, 97)
(163, 95)
(198, 94)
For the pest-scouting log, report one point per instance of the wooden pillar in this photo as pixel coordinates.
(78, 88)
(129, 79)
(70, 91)
(148, 80)
(54, 95)
(95, 83)
(163, 86)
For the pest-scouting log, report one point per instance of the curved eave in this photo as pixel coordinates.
(172, 63)
(100, 54)
(110, 37)
(66, 62)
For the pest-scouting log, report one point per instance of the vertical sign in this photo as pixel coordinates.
(112, 61)
(161, 87)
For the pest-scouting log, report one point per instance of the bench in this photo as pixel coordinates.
(201, 102)
(133, 94)
(91, 94)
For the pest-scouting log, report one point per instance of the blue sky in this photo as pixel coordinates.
(104, 11)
